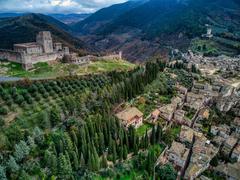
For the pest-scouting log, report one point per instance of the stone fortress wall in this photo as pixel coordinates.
(28, 54)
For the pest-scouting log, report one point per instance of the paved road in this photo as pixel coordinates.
(5, 79)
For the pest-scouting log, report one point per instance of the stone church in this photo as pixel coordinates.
(28, 54)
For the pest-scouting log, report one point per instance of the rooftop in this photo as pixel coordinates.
(27, 45)
(129, 114)
(187, 133)
(231, 141)
(231, 170)
(179, 149)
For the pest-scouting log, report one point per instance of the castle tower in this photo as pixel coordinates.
(44, 38)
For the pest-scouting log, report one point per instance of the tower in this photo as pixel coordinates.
(44, 38)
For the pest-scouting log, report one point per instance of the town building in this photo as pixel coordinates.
(194, 101)
(236, 153)
(221, 130)
(229, 171)
(203, 114)
(187, 133)
(166, 112)
(28, 54)
(228, 145)
(236, 125)
(177, 154)
(179, 116)
(202, 153)
(155, 115)
(130, 117)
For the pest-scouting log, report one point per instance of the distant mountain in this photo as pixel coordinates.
(104, 16)
(4, 15)
(143, 29)
(70, 18)
(24, 29)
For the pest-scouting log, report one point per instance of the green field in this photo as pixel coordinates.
(43, 70)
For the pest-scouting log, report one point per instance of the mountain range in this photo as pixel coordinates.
(140, 28)
(23, 28)
(143, 29)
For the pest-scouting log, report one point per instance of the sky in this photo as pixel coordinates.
(55, 6)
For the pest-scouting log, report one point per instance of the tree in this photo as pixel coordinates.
(2, 173)
(166, 172)
(153, 135)
(21, 150)
(125, 152)
(75, 161)
(12, 165)
(54, 116)
(54, 164)
(64, 169)
(158, 133)
(2, 122)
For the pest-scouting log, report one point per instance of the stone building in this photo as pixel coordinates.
(28, 54)
(130, 117)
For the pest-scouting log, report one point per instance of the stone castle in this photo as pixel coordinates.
(43, 50)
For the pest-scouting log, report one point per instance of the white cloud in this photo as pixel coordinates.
(55, 6)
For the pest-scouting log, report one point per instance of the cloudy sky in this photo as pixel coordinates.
(55, 6)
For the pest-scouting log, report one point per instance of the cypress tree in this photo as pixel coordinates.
(75, 160)
(159, 133)
(125, 152)
(54, 164)
(114, 153)
(153, 136)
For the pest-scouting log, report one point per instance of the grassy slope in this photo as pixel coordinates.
(43, 70)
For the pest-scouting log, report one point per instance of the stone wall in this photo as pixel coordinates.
(10, 55)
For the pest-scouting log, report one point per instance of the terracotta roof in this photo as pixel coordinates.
(129, 114)
(156, 112)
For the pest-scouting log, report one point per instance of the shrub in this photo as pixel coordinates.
(19, 99)
(3, 110)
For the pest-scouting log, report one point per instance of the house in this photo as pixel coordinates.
(236, 153)
(176, 102)
(202, 153)
(229, 171)
(166, 112)
(179, 115)
(181, 89)
(186, 134)
(236, 125)
(218, 140)
(155, 115)
(204, 113)
(194, 101)
(177, 154)
(130, 117)
(229, 145)
(221, 130)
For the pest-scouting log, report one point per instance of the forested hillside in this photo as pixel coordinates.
(150, 28)
(65, 128)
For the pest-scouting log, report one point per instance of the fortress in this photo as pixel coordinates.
(28, 54)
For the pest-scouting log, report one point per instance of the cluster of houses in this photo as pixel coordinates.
(194, 149)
